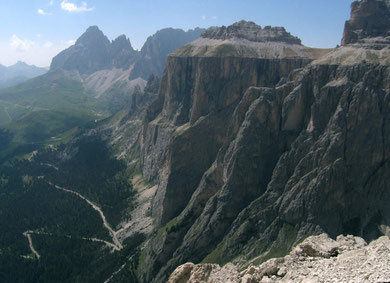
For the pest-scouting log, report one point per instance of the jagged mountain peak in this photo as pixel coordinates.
(20, 63)
(369, 23)
(123, 39)
(121, 43)
(158, 46)
(252, 32)
(169, 38)
(92, 36)
(93, 52)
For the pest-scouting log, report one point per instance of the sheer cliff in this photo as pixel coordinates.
(258, 142)
(212, 130)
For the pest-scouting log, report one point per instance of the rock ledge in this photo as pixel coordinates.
(317, 259)
(251, 32)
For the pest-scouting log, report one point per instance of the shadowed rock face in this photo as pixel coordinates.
(251, 32)
(196, 106)
(122, 53)
(255, 155)
(369, 19)
(209, 132)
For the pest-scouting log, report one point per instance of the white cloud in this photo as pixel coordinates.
(204, 18)
(71, 42)
(43, 13)
(39, 53)
(72, 7)
(48, 44)
(21, 45)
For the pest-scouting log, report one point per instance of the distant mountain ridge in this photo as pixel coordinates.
(94, 52)
(158, 46)
(87, 82)
(18, 73)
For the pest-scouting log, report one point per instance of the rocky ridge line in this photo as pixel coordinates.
(251, 32)
(93, 52)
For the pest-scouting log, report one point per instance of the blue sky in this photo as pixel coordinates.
(35, 30)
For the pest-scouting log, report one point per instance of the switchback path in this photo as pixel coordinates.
(113, 233)
(30, 242)
(116, 244)
(30, 232)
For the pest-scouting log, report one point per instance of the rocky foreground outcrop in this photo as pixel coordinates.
(317, 259)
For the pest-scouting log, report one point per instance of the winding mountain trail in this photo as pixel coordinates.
(30, 242)
(28, 235)
(116, 242)
(50, 165)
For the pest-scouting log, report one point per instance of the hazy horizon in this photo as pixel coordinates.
(35, 31)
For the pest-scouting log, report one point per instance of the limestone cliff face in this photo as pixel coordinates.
(197, 99)
(252, 32)
(258, 153)
(370, 21)
(217, 127)
(306, 157)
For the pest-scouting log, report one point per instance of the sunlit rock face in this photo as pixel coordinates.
(369, 23)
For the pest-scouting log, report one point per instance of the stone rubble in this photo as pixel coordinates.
(316, 259)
